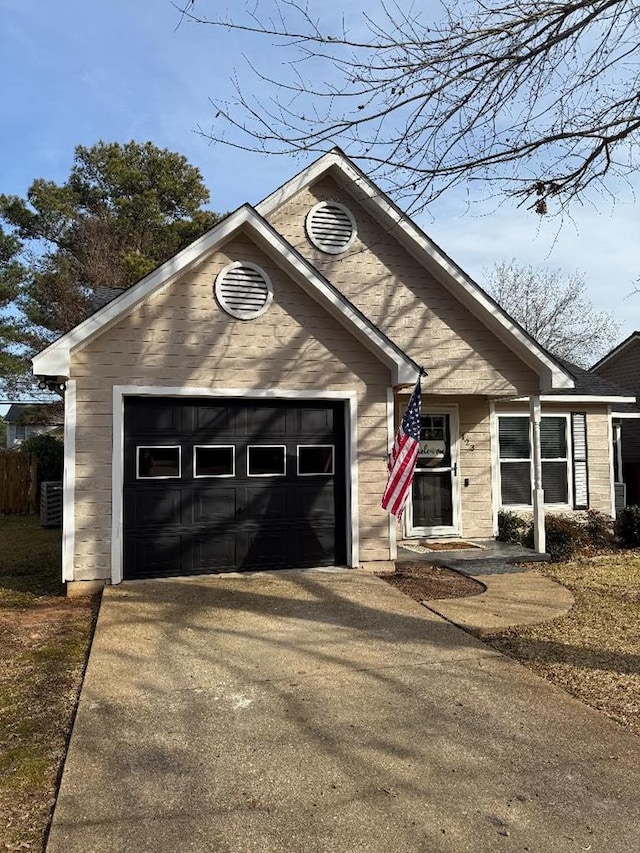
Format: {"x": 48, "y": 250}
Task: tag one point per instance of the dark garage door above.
{"x": 215, "y": 485}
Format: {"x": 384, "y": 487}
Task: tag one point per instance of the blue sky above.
{"x": 77, "y": 72}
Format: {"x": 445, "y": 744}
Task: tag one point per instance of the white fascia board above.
{"x": 615, "y": 414}
{"x": 298, "y": 182}
{"x": 577, "y": 398}
{"x": 552, "y": 375}
{"x": 54, "y": 360}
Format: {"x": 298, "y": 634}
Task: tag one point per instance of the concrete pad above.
{"x": 327, "y": 713}
{"x": 522, "y": 598}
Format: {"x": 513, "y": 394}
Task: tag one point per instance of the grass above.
{"x": 594, "y": 651}
{"x": 44, "y": 641}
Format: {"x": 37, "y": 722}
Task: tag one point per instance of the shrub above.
{"x": 49, "y": 452}
{"x": 598, "y": 529}
{"x": 564, "y": 537}
{"x": 628, "y": 526}
{"x": 511, "y": 526}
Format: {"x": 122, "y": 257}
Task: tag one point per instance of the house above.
{"x": 234, "y": 409}
{"x": 26, "y": 419}
{"x": 622, "y": 366}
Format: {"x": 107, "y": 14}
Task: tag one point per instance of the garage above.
{"x": 215, "y": 485}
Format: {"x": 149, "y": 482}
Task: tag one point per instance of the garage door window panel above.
{"x": 315, "y": 460}
{"x": 158, "y": 462}
{"x": 266, "y": 460}
{"x": 214, "y": 460}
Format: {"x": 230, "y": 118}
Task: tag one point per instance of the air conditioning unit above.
{"x": 51, "y": 504}
{"x": 620, "y": 492}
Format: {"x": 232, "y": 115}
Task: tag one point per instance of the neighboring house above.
{"x": 235, "y": 408}
{"x": 26, "y": 419}
{"x": 622, "y": 366}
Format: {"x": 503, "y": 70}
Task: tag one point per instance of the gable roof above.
{"x": 49, "y": 414}
{"x": 588, "y": 384}
{"x": 337, "y": 165}
{"x": 55, "y": 359}
{"x": 616, "y": 351}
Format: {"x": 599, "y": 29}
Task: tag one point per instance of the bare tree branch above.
{"x": 540, "y": 98}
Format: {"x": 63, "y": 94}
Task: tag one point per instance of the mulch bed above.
{"x": 424, "y": 582}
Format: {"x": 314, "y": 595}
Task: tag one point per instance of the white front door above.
{"x": 433, "y": 508}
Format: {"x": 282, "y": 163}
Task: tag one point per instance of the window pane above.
{"x": 265, "y": 460}
{"x": 514, "y": 438}
{"x": 158, "y": 462}
{"x": 315, "y": 459}
{"x": 553, "y": 438}
{"x": 515, "y": 478}
{"x": 214, "y": 461}
{"x": 554, "y": 482}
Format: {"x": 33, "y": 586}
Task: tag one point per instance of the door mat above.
{"x": 427, "y": 547}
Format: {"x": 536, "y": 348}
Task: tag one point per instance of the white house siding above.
{"x": 181, "y": 337}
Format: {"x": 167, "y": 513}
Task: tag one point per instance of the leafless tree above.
{"x": 537, "y": 99}
{"x": 553, "y": 306}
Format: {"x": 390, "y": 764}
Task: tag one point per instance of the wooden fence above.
{"x": 18, "y": 483}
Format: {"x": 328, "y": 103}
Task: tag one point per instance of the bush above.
{"x": 49, "y": 452}
{"x": 564, "y": 537}
{"x": 598, "y": 529}
{"x": 511, "y": 527}
{"x": 628, "y": 526}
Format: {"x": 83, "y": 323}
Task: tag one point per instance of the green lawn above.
{"x": 44, "y": 641}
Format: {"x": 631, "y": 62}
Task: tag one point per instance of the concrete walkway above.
{"x": 513, "y": 594}
{"x": 327, "y": 713}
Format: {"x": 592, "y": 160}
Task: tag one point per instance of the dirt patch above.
{"x": 425, "y": 582}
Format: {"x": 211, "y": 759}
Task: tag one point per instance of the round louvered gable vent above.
{"x": 331, "y": 227}
{"x": 243, "y": 290}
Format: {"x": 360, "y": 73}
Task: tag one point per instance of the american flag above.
{"x": 403, "y": 457}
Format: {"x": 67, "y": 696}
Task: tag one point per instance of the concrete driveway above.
{"x": 323, "y": 712}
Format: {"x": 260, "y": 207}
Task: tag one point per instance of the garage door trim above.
{"x": 117, "y": 470}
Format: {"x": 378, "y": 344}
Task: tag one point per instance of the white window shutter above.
{"x": 580, "y": 460}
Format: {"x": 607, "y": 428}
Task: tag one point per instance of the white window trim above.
{"x": 177, "y": 447}
{"x": 262, "y": 446}
{"x": 319, "y": 473}
{"x": 348, "y": 396}
{"x": 213, "y": 447}
{"x": 568, "y": 506}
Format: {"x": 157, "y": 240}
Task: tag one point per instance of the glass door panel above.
{"x": 432, "y": 500}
